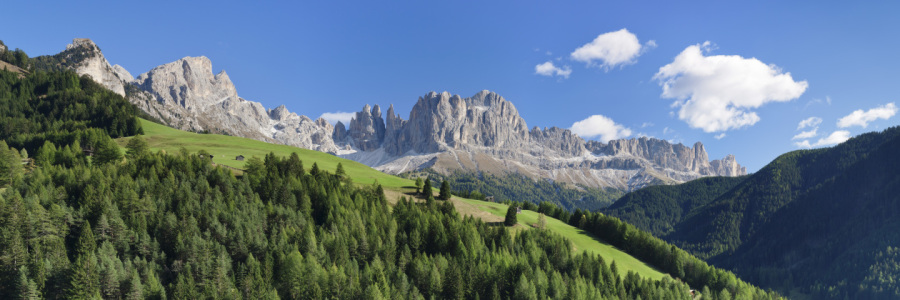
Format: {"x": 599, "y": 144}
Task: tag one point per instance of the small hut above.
{"x": 239, "y": 158}
{"x": 489, "y": 198}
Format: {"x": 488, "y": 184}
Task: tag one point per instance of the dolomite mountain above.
{"x": 444, "y": 132}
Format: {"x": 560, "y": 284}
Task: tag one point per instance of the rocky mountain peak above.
{"x": 188, "y": 82}
{"x": 367, "y": 128}
{"x": 85, "y": 58}
{"x": 87, "y": 44}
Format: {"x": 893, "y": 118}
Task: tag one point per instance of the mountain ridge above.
{"x": 814, "y": 220}
{"x": 445, "y": 132}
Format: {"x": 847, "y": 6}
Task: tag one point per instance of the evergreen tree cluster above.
{"x": 658, "y": 253}
{"x": 63, "y": 109}
{"x": 520, "y": 188}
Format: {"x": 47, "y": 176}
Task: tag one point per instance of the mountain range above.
{"x": 444, "y": 132}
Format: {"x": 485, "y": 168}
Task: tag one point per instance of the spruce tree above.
{"x": 340, "y": 171}
{"x": 511, "y": 216}
{"x": 445, "y": 191}
{"x": 426, "y": 189}
{"x": 84, "y": 281}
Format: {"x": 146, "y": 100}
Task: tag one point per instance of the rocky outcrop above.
{"x": 86, "y": 59}
{"x": 367, "y": 129}
{"x": 188, "y": 83}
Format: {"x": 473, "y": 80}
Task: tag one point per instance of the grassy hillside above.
{"x": 225, "y": 148}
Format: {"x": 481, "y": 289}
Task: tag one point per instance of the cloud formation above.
{"x": 806, "y": 134}
{"x": 862, "y": 118}
{"x": 334, "y": 117}
{"x": 834, "y": 138}
{"x": 611, "y": 49}
{"x": 548, "y": 69}
{"x": 599, "y": 125}
{"x": 810, "y": 122}
{"x": 719, "y": 92}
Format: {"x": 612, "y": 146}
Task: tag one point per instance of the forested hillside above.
{"x": 819, "y": 222}
{"x": 657, "y": 208}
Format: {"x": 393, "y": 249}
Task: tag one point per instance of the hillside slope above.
{"x": 225, "y": 148}
{"x": 816, "y": 221}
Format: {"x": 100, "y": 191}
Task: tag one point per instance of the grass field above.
{"x": 225, "y": 148}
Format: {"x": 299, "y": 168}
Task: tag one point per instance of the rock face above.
{"x": 446, "y": 133}
{"x": 91, "y": 62}
{"x": 484, "y": 133}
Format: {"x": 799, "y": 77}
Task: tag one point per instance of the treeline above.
{"x": 523, "y": 189}
{"x": 16, "y": 57}
{"x": 719, "y": 283}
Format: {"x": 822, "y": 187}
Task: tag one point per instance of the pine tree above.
{"x": 340, "y": 171}
{"x": 84, "y": 281}
{"x": 426, "y": 189}
{"x": 135, "y": 288}
{"x": 445, "y": 191}
{"x": 511, "y": 216}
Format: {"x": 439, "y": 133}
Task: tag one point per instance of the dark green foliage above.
{"x": 445, "y": 191}
{"x": 510, "y": 219}
{"x": 426, "y": 189}
{"x": 136, "y": 147}
{"x": 107, "y": 151}
{"x": 10, "y": 164}
{"x": 339, "y": 172}
{"x": 658, "y": 208}
{"x": 815, "y": 222}
{"x": 519, "y": 188}
{"x": 61, "y": 108}
{"x": 419, "y": 185}
{"x": 16, "y": 57}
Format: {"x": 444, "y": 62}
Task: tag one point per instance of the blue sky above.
{"x": 336, "y": 56}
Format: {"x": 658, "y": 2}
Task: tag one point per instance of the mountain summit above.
{"x": 446, "y": 133}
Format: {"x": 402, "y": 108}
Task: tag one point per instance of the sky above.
{"x": 751, "y": 78}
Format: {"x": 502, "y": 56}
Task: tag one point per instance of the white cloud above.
{"x": 667, "y": 130}
{"x": 548, "y": 69}
{"x": 598, "y": 125}
{"x": 862, "y": 118}
{"x": 809, "y": 122}
{"x": 611, "y": 49}
{"x": 334, "y": 117}
{"x": 720, "y": 136}
{"x": 806, "y": 134}
{"x": 718, "y": 92}
{"x": 835, "y": 138}
{"x": 647, "y": 124}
